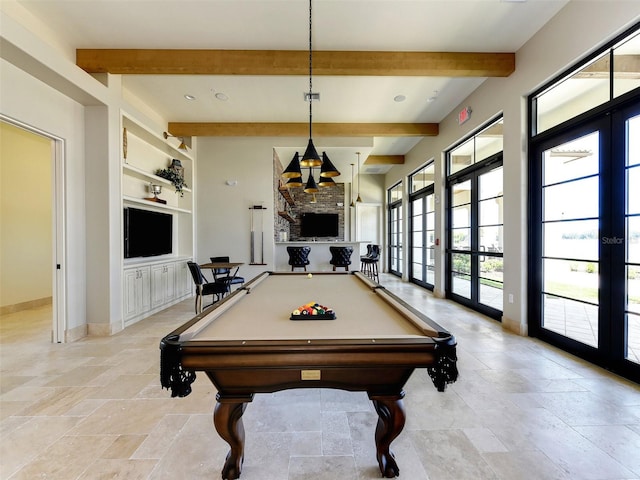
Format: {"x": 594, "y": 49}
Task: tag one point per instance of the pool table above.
{"x": 248, "y": 344}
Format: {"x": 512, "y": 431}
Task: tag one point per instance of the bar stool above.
{"x": 362, "y": 257}
{"x": 369, "y": 264}
{"x": 340, "y": 257}
{"x": 299, "y": 257}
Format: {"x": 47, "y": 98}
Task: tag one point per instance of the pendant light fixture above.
{"x": 358, "y": 199}
{"x": 310, "y": 158}
{"x": 351, "y": 193}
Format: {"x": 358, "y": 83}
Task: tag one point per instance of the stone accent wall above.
{"x": 327, "y": 200}
{"x": 280, "y": 204}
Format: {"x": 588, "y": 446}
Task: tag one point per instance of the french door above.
{"x": 585, "y": 242}
{"x": 475, "y": 237}
{"x": 423, "y": 238}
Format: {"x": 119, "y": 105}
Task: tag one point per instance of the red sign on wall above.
{"x": 464, "y": 115}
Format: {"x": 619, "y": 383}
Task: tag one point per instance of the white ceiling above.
{"x": 386, "y": 25}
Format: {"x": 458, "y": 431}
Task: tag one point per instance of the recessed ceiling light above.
{"x": 399, "y": 98}
{"x": 222, "y": 97}
{"x": 189, "y": 97}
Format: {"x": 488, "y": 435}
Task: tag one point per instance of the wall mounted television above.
{"x": 319, "y": 225}
{"x": 147, "y": 233}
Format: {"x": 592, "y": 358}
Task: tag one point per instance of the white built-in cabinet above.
{"x": 137, "y": 292}
{"x": 163, "y": 281}
{"x": 155, "y": 283}
{"x": 151, "y": 288}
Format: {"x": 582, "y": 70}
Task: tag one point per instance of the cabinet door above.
{"x": 181, "y": 268}
{"x": 170, "y": 282}
{"x": 130, "y": 293}
{"x": 158, "y": 285}
{"x": 144, "y": 292}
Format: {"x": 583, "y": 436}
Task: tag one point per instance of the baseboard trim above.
{"x": 19, "y": 307}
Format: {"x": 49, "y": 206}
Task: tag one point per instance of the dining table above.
{"x": 230, "y": 265}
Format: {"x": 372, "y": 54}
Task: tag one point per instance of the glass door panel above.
{"x": 430, "y": 240}
{"x": 632, "y": 239}
{"x": 570, "y": 239}
{"x": 395, "y": 239}
{"x": 490, "y": 238}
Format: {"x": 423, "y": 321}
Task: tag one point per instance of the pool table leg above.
{"x": 391, "y": 418}
{"x": 227, "y": 418}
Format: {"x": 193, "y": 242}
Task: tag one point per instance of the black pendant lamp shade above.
{"x": 294, "y": 182}
{"x": 311, "y": 157}
{"x": 293, "y": 169}
{"x": 326, "y": 182}
{"x": 311, "y": 186}
{"x": 328, "y": 169}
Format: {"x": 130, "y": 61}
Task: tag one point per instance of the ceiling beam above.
{"x": 209, "y": 129}
{"x": 294, "y": 62}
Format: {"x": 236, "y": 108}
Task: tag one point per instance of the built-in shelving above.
{"x": 284, "y": 191}
{"x": 287, "y": 217}
{"x": 150, "y": 176}
{"x": 150, "y": 286}
{"x": 163, "y": 206}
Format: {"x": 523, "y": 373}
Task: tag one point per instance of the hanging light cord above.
{"x": 310, "y": 74}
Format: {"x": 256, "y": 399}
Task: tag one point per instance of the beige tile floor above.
{"x": 94, "y": 409}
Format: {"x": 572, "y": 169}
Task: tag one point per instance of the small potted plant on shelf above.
{"x": 175, "y": 174}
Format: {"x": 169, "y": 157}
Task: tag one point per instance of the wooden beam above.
{"x": 205, "y": 129}
{"x": 294, "y": 62}
{"x": 384, "y": 160}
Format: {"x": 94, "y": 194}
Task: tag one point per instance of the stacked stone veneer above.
{"x": 327, "y": 200}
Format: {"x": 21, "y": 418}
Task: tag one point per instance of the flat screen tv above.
{"x": 319, "y": 225}
{"x": 147, "y": 233}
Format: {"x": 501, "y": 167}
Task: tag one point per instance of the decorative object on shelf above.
{"x": 155, "y": 190}
{"x": 310, "y": 158}
{"x": 124, "y": 143}
{"x": 177, "y": 166}
{"x": 182, "y": 146}
{"x": 175, "y": 174}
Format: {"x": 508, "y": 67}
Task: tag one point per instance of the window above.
{"x": 589, "y": 85}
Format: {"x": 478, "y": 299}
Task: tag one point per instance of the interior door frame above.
{"x": 58, "y": 281}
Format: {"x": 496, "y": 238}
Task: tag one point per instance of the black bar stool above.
{"x": 369, "y": 263}
{"x": 299, "y": 257}
{"x": 340, "y": 257}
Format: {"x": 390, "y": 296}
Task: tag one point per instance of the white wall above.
{"x": 41, "y": 87}
{"x": 33, "y": 103}
{"x": 222, "y": 211}
{"x": 578, "y": 29}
